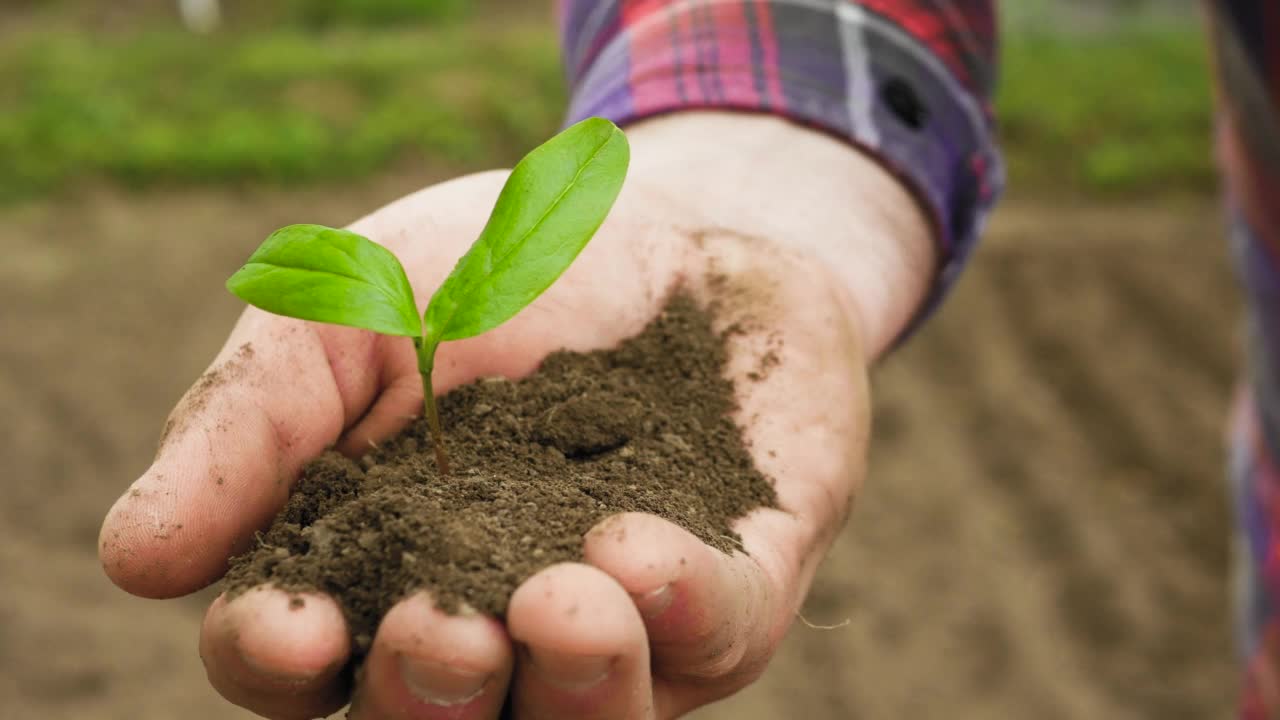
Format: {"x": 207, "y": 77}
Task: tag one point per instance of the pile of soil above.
{"x": 536, "y": 463}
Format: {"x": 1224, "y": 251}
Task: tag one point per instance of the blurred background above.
{"x": 1045, "y": 530}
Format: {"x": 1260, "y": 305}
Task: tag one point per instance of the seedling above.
{"x": 551, "y": 205}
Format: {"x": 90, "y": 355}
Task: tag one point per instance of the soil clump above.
{"x": 537, "y": 462}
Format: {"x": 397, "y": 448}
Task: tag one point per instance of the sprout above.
{"x": 551, "y": 205}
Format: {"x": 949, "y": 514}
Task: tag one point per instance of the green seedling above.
{"x": 552, "y": 204}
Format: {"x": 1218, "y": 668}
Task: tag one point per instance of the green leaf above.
{"x": 551, "y": 205}
{"x": 318, "y": 273}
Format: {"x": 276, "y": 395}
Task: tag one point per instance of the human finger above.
{"x": 427, "y": 665}
{"x": 276, "y": 654}
{"x": 229, "y": 453}
{"x": 583, "y": 654}
{"x": 709, "y": 616}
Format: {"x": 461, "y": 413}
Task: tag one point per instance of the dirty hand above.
{"x": 837, "y": 257}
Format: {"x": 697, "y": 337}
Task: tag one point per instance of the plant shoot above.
{"x": 551, "y": 205}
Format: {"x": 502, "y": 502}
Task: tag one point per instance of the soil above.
{"x": 536, "y": 464}
{"x": 1043, "y": 532}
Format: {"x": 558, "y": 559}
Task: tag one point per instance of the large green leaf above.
{"x": 551, "y": 205}
{"x": 318, "y": 273}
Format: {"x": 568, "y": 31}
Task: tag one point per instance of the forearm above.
{"x": 807, "y": 191}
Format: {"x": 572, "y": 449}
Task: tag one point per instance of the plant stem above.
{"x": 426, "y": 363}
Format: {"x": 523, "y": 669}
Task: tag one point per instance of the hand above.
{"x": 835, "y": 256}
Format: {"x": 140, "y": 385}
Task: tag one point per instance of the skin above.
{"x": 812, "y": 244}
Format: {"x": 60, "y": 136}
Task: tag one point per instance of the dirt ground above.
{"x": 1044, "y": 533}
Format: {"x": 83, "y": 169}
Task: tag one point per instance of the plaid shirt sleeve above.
{"x": 907, "y": 80}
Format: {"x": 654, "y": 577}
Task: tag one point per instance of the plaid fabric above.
{"x": 962, "y": 33}
{"x": 909, "y": 81}
{"x": 1246, "y": 43}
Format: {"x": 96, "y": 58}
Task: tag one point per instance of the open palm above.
{"x": 662, "y": 623}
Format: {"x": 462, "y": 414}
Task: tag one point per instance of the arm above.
{"x": 841, "y": 256}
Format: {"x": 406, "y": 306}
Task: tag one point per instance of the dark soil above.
{"x": 537, "y": 462}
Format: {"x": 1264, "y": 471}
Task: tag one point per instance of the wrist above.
{"x": 804, "y": 190}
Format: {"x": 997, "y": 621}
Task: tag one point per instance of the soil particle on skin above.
{"x": 538, "y": 462}
{"x": 197, "y": 398}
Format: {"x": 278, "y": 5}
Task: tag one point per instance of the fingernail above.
{"x": 654, "y": 602}
{"x": 440, "y": 684}
{"x": 571, "y": 672}
{"x": 276, "y": 678}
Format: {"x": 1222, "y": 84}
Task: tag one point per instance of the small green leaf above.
{"x": 551, "y": 205}
{"x": 318, "y": 273}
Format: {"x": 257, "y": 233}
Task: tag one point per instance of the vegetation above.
{"x": 366, "y": 12}
{"x": 156, "y": 107}
{"x": 1127, "y": 111}
{"x": 325, "y": 90}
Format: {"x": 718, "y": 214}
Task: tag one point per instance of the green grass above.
{"x": 368, "y": 12}
{"x": 1123, "y": 113}
{"x": 289, "y": 106}
{"x": 303, "y": 101}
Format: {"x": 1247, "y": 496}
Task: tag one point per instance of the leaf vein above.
{"x": 354, "y": 278}
{"x": 554, "y": 204}
{"x": 495, "y": 267}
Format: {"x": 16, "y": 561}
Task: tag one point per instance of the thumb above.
{"x": 230, "y": 450}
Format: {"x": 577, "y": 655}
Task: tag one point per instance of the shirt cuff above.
{"x": 836, "y": 66}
